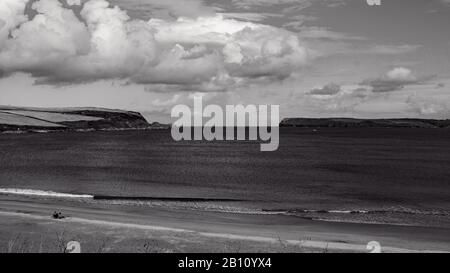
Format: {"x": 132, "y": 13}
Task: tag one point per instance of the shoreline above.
{"x": 389, "y": 216}
{"x": 269, "y": 232}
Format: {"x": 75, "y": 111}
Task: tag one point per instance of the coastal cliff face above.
{"x": 364, "y": 123}
{"x": 63, "y": 119}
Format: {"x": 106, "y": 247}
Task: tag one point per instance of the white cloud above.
{"x": 11, "y": 15}
{"x": 57, "y": 47}
{"x": 327, "y": 90}
{"x": 73, "y": 2}
{"x": 400, "y": 74}
{"x": 102, "y": 42}
{"x": 233, "y": 53}
{"x": 395, "y": 79}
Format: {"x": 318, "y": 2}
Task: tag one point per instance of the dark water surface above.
{"x": 388, "y": 175}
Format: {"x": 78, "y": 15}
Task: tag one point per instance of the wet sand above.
{"x": 129, "y": 227}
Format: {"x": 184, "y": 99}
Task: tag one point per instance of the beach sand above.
{"x": 26, "y": 225}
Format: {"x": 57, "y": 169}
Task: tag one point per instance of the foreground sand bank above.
{"x": 26, "y": 225}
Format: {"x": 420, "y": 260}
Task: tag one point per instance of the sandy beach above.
{"x": 26, "y": 225}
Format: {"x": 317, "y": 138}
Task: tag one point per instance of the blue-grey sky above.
{"x": 314, "y": 58}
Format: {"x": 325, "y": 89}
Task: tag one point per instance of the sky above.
{"x": 314, "y": 58}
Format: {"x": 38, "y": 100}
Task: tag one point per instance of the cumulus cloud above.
{"x": 11, "y": 15}
{"x": 327, "y": 90}
{"x": 267, "y": 52}
{"x": 56, "y": 46}
{"x": 394, "y": 80}
{"x": 61, "y": 45}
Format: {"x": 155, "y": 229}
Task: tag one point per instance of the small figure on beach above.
{"x": 58, "y": 215}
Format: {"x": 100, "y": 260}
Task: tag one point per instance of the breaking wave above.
{"x": 29, "y": 192}
{"x": 397, "y": 210}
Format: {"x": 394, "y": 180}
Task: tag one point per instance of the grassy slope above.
{"x": 23, "y": 119}
{"x": 20, "y": 120}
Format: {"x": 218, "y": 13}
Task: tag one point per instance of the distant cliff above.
{"x": 364, "y": 123}
{"x": 51, "y": 119}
